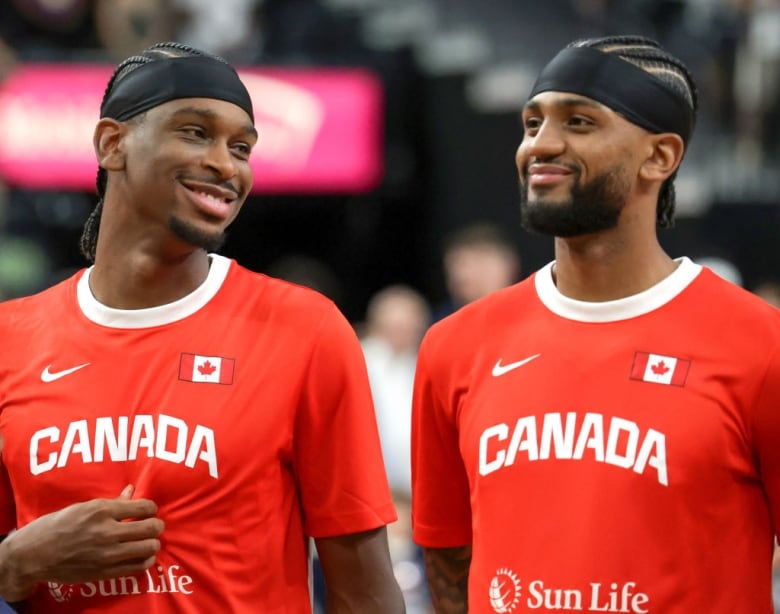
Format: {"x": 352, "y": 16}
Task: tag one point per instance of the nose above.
{"x": 219, "y": 159}
{"x": 545, "y": 142}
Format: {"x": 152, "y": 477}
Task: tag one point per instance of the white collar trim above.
{"x": 620, "y": 309}
{"x": 153, "y": 316}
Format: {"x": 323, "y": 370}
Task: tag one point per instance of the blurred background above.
{"x": 385, "y": 172}
{"x": 451, "y": 77}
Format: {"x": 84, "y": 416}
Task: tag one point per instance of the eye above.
{"x": 242, "y": 150}
{"x": 195, "y": 131}
{"x": 580, "y": 121}
{"x": 531, "y": 124}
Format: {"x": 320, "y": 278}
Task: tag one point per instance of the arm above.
{"x": 342, "y": 482}
{"x": 93, "y": 540}
{"x": 766, "y": 434}
{"x": 441, "y": 504}
{"x": 359, "y": 574}
{"x": 447, "y": 571}
{"x": 15, "y": 606}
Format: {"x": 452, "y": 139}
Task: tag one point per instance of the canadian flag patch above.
{"x": 660, "y": 369}
{"x": 206, "y": 369}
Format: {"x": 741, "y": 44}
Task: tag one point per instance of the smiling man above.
{"x": 175, "y": 427}
{"x": 603, "y": 436}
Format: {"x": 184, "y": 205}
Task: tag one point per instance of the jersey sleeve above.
{"x": 338, "y": 459}
{"x": 441, "y": 509}
{"x": 7, "y": 501}
{"x": 766, "y": 433}
{"x": 7, "y": 505}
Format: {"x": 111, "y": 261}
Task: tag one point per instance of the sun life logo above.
{"x": 504, "y": 591}
{"x": 60, "y": 592}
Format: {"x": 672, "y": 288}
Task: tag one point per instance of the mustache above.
{"x": 523, "y": 178}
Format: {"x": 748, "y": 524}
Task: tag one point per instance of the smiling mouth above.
{"x": 543, "y": 180}
{"x": 215, "y": 206}
{"x": 223, "y": 191}
{"x": 216, "y": 200}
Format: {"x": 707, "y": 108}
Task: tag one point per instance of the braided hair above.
{"x": 648, "y": 55}
{"x": 159, "y": 51}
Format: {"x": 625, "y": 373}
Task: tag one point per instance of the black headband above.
{"x": 160, "y": 81}
{"x": 626, "y": 89}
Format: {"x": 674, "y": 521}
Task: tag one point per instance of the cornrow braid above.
{"x": 158, "y": 51}
{"x": 648, "y": 55}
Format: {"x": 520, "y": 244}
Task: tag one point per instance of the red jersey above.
{"x": 243, "y": 410}
{"x": 604, "y": 457}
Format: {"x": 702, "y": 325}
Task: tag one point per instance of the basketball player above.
{"x": 175, "y": 426}
{"x": 603, "y": 436}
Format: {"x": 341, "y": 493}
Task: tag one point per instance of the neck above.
{"x": 139, "y": 281}
{"x": 601, "y": 268}
{"x": 140, "y": 263}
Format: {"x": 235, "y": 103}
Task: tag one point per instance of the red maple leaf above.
{"x": 660, "y": 368}
{"x": 207, "y": 368}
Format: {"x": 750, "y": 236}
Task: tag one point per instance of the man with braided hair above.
{"x": 603, "y": 436}
{"x": 175, "y": 427}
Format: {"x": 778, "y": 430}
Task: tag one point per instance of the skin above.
{"x": 569, "y": 143}
{"x": 359, "y": 574}
{"x": 563, "y": 131}
{"x": 94, "y": 540}
{"x": 155, "y": 166}
{"x": 153, "y": 249}
{"x": 447, "y": 572}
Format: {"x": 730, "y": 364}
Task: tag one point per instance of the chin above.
{"x": 209, "y": 240}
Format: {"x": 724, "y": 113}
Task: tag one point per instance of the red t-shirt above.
{"x": 604, "y": 457}
{"x": 243, "y": 410}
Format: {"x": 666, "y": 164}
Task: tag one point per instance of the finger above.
{"x": 129, "y": 567}
{"x": 123, "y": 509}
{"x": 105, "y": 570}
{"x": 135, "y": 530}
{"x": 128, "y": 553}
{"x": 127, "y": 492}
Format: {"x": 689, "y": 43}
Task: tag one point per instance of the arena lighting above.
{"x": 320, "y": 129}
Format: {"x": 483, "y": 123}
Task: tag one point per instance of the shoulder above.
{"x": 276, "y": 297}
{"x": 284, "y": 313}
{"x": 22, "y": 313}
{"x": 29, "y": 323}
{"x": 500, "y": 303}
{"x": 466, "y": 329}
{"x": 730, "y": 325}
{"x": 732, "y": 308}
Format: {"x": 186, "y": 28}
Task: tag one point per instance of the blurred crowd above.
{"x": 241, "y": 31}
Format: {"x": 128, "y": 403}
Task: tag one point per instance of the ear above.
{"x": 109, "y": 145}
{"x": 665, "y": 156}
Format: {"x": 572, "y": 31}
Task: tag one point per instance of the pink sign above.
{"x": 320, "y": 130}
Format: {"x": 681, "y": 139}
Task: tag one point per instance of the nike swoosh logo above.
{"x": 51, "y": 376}
{"x": 500, "y": 369}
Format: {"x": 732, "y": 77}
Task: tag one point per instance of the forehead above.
{"x": 563, "y": 100}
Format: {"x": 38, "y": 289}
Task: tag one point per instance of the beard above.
{"x": 191, "y": 234}
{"x": 592, "y": 206}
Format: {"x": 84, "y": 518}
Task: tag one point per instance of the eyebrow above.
{"x": 577, "y": 101}
{"x": 212, "y": 115}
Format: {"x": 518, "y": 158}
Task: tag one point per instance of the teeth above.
{"x": 214, "y": 198}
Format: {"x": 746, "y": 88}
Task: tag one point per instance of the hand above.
{"x": 88, "y": 541}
